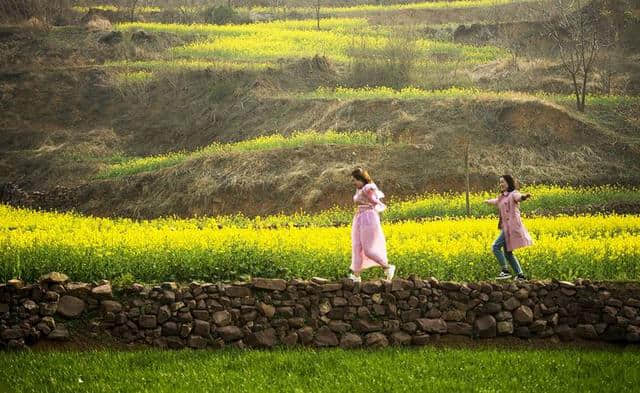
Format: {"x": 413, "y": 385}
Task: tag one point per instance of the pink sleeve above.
{"x": 516, "y": 196}
{"x": 493, "y": 201}
{"x": 372, "y": 196}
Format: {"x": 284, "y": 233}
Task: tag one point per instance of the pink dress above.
{"x": 368, "y": 247}
{"x": 515, "y": 234}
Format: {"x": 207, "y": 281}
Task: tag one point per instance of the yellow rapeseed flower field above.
{"x": 87, "y": 248}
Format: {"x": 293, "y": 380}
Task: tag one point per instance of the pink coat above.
{"x": 368, "y": 245}
{"x": 516, "y": 235}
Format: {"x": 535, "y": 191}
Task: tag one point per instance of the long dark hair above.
{"x": 362, "y": 175}
{"x": 511, "y": 182}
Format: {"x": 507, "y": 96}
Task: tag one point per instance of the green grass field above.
{"x": 256, "y": 45}
{"x": 268, "y": 142}
{"x": 389, "y": 370}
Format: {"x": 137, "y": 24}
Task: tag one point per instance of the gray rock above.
{"x": 492, "y": 308}
{"x": 523, "y": 315}
{"x": 485, "y": 326}
{"x": 197, "y": 342}
{"x": 511, "y": 304}
{"x": 325, "y": 337}
{"x": 633, "y": 334}
{"x": 262, "y": 339}
{"x": 221, "y": 318}
{"x": 522, "y": 294}
{"x": 410, "y": 315}
{"x": 147, "y": 321}
{"x": 174, "y": 342}
{"x": 11, "y": 334}
{"x": 504, "y": 316}
{"x": 170, "y": 329}
{"x": 366, "y": 326}
{"x": 48, "y": 309}
{"x": 201, "y": 328}
{"x": 31, "y": 306}
{"x": 376, "y": 340}
{"x": 400, "y": 338}
{"x": 332, "y": 287}
{"x": 371, "y": 287}
{"x": 432, "y": 325}
{"x": 450, "y": 286}
{"x": 70, "y": 306}
{"x": 185, "y": 329}
{"x": 163, "y": 314}
{"x": 421, "y": 339}
{"x": 230, "y": 333}
{"x": 237, "y": 291}
{"x": 290, "y": 339}
{"x": 538, "y": 325}
{"x": 54, "y": 277}
{"x": 111, "y": 306}
{"x": 339, "y": 301}
{"x": 339, "y": 326}
{"x": 270, "y": 284}
{"x": 296, "y": 323}
{"x": 102, "y": 292}
{"x": 505, "y": 328}
{"x": 459, "y": 328}
{"x": 305, "y": 334}
{"x": 350, "y": 340}
{"x": 59, "y": 333}
{"x": 454, "y": 315}
{"x": 267, "y": 310}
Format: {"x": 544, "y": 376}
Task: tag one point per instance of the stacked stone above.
{"x": 29, "y": 312}
{"x": 269, "y": 312}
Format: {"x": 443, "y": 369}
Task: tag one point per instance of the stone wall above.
{"x": 269, "y": 312}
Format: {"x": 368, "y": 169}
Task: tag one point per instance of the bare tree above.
{"x": 129, "y": 7}
{"x": 610, "y": 32}
{"x": 574, "y": 31}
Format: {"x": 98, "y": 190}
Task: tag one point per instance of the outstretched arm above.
{"x": 493, "y": 201}
{"x": 518, "y": 197}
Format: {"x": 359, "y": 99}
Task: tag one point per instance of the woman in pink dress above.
{"x": 368, "y": 246}
{"x": 513, "y": 234}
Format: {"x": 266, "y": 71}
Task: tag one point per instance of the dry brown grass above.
{"x": 98, "y": 24}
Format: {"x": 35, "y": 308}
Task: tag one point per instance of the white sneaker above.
{"x": 503, "y": 276}
{"x": 391, "y": 271}
{"x": 354, "y": 278}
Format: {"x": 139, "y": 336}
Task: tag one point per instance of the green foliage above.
{"x": 267, "y": 142}
{"x": 409, "y": 370}
{"x": 220, "y": 15}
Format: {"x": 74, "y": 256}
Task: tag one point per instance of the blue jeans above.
{"x": 497, "y": 247}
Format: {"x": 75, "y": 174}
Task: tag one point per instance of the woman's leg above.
{"x": 497, "y": 247}
{"x": 372, "y": 239}
{"x": 356, "y": 248}
{"x": 513, "y": 261}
